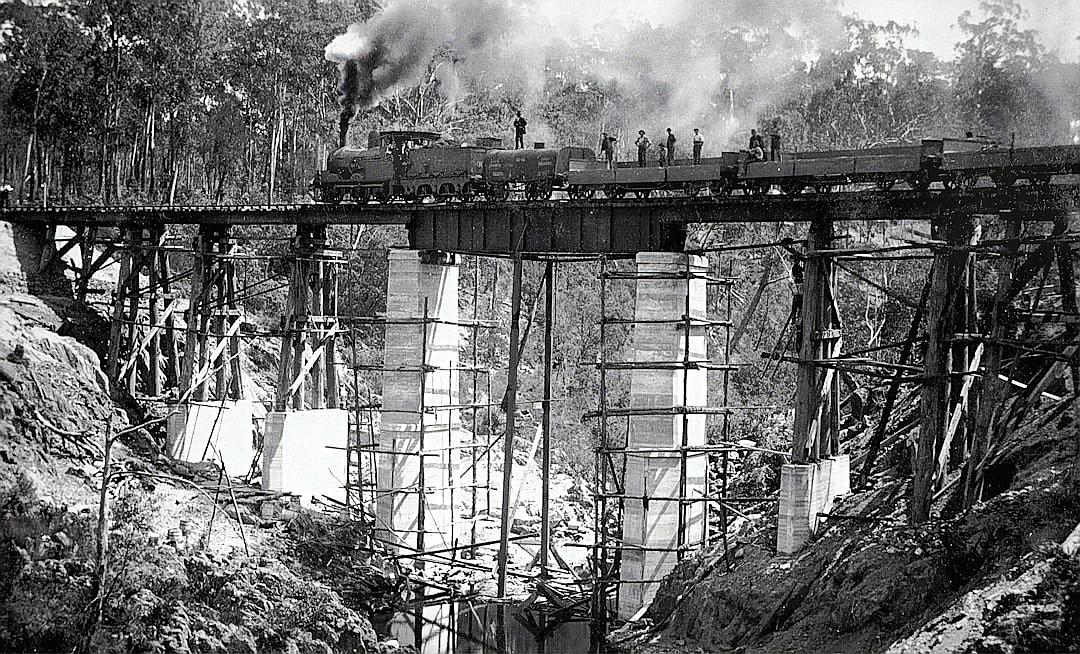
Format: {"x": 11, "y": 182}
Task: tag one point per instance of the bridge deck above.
{"x": 592, "y": 226}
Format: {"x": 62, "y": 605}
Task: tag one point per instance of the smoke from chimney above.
{"x": 685, "y": 68}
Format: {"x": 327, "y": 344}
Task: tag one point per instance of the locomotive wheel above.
{"x": 447, "y": 193}
{"x": 920, "y": 181}
{"x": 467, "y": 194}
{"x": 643, "y": 194}
{"x": 719, "y": 188}
{"x": 791, "y": 186}
{"x": 1004, "y": 179}
{"x": 614, "y": 192}
{"x": 885, "y": 183}
{"x": 967, "y": 181}
{"x": 1041, "y": 180}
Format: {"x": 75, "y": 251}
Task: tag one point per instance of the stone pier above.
{"x": 651, "y": 525}
{"x": 416, "y": 439}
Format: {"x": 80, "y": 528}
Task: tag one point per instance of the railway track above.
{"x": 730, "y": 208}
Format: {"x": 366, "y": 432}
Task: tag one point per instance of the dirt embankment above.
{"x": 177, "y": 579}
{"x": 989, "y": 580}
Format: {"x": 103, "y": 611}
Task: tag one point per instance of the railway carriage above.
{"x": 1006, "y": 166}
{"x": 718, "y": 174}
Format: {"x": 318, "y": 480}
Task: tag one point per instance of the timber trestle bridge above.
{"x": 413, "y": 457}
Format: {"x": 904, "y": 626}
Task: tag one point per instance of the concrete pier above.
{"x": 416, "y": 441}
{"x": 664, "y": 297}
{"x": 215, "y": 430}
{"x": 806, "y": 491}
{"x": 303, "y": 453}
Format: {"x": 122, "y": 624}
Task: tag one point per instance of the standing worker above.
{"x": 756, "y": 141}
{"x": 774, "y": 147}
{"x": 607, "y": 149}
{"x": 661, "y": 158}
{"x": 642, "y": 144}
{"x": 5, "y": 195}
{"x": 699, "y": 141}
{"x": 670, "y": 148}
{"x": 519, "y": 131}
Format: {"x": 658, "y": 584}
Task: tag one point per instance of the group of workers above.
{"x": 665, "y": 149}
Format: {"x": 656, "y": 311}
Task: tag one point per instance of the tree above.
{"x": 874, "y": 92}
{"x": 1002, "y": 77}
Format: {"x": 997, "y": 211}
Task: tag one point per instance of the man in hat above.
{"x": 670, "y": 148}
{"x": 607, "y": 149}
{"x": 756, "y": 141}
{"x": 642, "y": 144}
{"x": 699, "y": 142}
{"x": 519, "y": 131}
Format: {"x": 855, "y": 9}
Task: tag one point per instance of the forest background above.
{"x": 222, "y": 101}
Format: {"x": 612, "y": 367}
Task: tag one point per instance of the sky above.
{"x": 1057, "y": 21}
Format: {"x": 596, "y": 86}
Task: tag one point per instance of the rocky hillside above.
{"x": 993, "y": 579}
{"x": 187, "y": 567}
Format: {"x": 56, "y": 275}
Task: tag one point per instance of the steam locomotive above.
{"x": 413, "y": 166}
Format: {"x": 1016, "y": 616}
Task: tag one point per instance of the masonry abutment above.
{"x": 420, "y": 431}
{"x": 669, "y": 329}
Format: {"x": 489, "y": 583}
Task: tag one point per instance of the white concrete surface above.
{"x": 213, "y": 431}
{"x": 304, "y": 453}
{"x": 406, "y": 430}
{"x": 656, "y": 526}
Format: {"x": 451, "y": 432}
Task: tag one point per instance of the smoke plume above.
{"x": 683, "y": 66}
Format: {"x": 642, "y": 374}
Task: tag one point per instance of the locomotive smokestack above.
{"x": 343, "y": 126}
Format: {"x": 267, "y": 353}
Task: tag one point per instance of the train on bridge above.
{"x": 414, "y": 167}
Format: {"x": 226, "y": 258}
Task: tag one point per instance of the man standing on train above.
{"x": 699, "y": 141}
{"x": 607, "y": 149}
{"x": 519, "y": 131}
{"x": 774, "y": 147}
{"x": 642, "y": 144}
{"x": 670, "y": 148}
{"x": 756, "y": 141}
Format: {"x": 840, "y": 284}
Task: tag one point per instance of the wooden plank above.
{"x": 948, "y": 282}
{"x": 810, "y": 381}
{"x": 959, "y": 410}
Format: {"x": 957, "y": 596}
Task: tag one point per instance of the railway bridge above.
{"x": 665, "y": 482}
